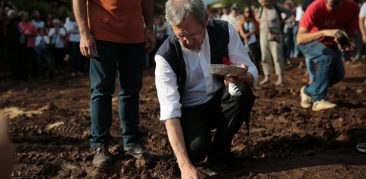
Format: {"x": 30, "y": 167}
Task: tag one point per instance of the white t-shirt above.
{"x": 39, "y": 39}
{"x": 299, "y": 13}
{"x": 72, "y": 26}
{"x": 363, "y": 12}
{"x": 38, "y": 23}
{"x": 57, "y": 37}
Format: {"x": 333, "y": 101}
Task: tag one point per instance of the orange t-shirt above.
{"x": 118, "y": 21}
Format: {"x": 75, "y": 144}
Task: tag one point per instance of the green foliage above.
{"x": 42, "y": 6}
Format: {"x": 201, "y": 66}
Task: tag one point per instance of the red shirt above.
{"x": 319, "y": 17}
{"x": 30, "y": 31}
{"x": 118, "y": 21}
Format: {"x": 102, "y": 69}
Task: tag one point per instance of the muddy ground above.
{"x": 50, "y": 125}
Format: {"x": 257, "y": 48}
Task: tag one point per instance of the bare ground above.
{"x": 50, "y": 125}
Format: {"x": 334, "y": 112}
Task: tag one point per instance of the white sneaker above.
{"x": 305, "y": 99}
{"x": 322, "y": 105}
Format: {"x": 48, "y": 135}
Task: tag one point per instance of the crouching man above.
{"x": 192, "y": 101}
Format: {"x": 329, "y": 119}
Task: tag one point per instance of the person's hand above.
{"x": 330, "y": 33}
{"x": 150, "y": 40}
{"x": 88, "y": 45}
{"x": 364, "y": 39}
{"x": 188, "y": 172}
{"x": 343, "y": 42}
{"x": 236, "y": 79}
{"x": 7, "y": 154}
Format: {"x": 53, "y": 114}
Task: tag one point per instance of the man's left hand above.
{"x": 150, "y": 40}
{"x": 236, "y": 79}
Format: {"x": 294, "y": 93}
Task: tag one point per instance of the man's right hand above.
{"x": 188, "y": 172}
{"x": 88, "y": 46}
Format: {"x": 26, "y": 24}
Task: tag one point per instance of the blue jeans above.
{"x": 330, "y": 68}
{"x": 310, "y": 67}
{"x": 127, "y": 60}
{"x": 295, "y": 51}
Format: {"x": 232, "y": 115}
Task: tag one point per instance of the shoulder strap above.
{"x": 260, "y": 12}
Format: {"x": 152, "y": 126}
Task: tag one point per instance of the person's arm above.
{"x": 148, "y": 14}
{"x": 175, "y": 135}
{"x": 304, "y": 36}
{"x": 87, "y": 41}
{"x": 238, "y": 56}
{"x": 361, "y": 24}
{"x": 240, "y": 30}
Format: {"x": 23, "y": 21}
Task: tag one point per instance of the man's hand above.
{"x": 343, "y": 42}
{"x": 364, "y": 39}
{"x": 188, "y": 171}
{"x": 150, "y": 40}
{"x": 236, "y": 79}
{"x": 88, "y": 45}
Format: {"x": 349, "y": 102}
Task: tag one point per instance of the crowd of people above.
{"x": 39, "y": 46}
{"x": 183, "y": 45}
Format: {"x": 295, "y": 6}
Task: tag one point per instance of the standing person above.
{"x": 362, "y": 23}
{"x": 271, "y": 40}
{"x": 248, "y": 28}
{"x": 28, "y": 33}
{"x": 192, "y": 101}
{"x": 225, "y": 14}
{"x": 57, "y": 35}
{"x": 234, "y": 16}
{"x": 76, "y": 57}
{"x": 44, "y": 55}
{"x": 17, "y": 64}
{"x": 115, "y": 41}
{"x": 37, "y": 21}
{"x": 320, "y": 34}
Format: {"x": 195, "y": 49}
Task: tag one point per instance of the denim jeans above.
{"x": 310, "y": 67}
{"x": 295, "y": 51}
{"x": 127, "y": 60}
{"x": 330, "y": 68}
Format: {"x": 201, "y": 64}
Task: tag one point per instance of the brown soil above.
{"x": 50, "y": 124}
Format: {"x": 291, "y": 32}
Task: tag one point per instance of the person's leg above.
{"x": 276, "y": 51}
{"x": 336, "y": 73}
{"x": 310, "y": 68}
{"x": 323, "y": 56}
{"x": 294, "y": 34}
{"x": 102, "y": 77}
{"x": 196, "y": 129}
{"x": 235, "y": 110}
{"x": 130, "y": 63}
{"x": 266, "y": 57}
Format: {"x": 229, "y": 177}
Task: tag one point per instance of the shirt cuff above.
{"x": 170, "y": 111}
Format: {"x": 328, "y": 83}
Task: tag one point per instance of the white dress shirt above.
{"x": 200, "y": 85}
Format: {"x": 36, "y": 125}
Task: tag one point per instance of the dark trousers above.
{"x": 224, "y": 113}
{"x": 127, "y": 60}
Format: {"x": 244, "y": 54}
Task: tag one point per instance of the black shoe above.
{"x": 101, "y": 157}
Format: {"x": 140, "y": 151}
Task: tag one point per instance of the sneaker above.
{"x": 322, "y": 105}
{"x": 136, "y": 152}
{"x": 362, "y": 147}
{"x": 305, "y": 99}
{"x": 101, "y": 157}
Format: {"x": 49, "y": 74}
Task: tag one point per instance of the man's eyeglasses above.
{"x": 191, "y": 36}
